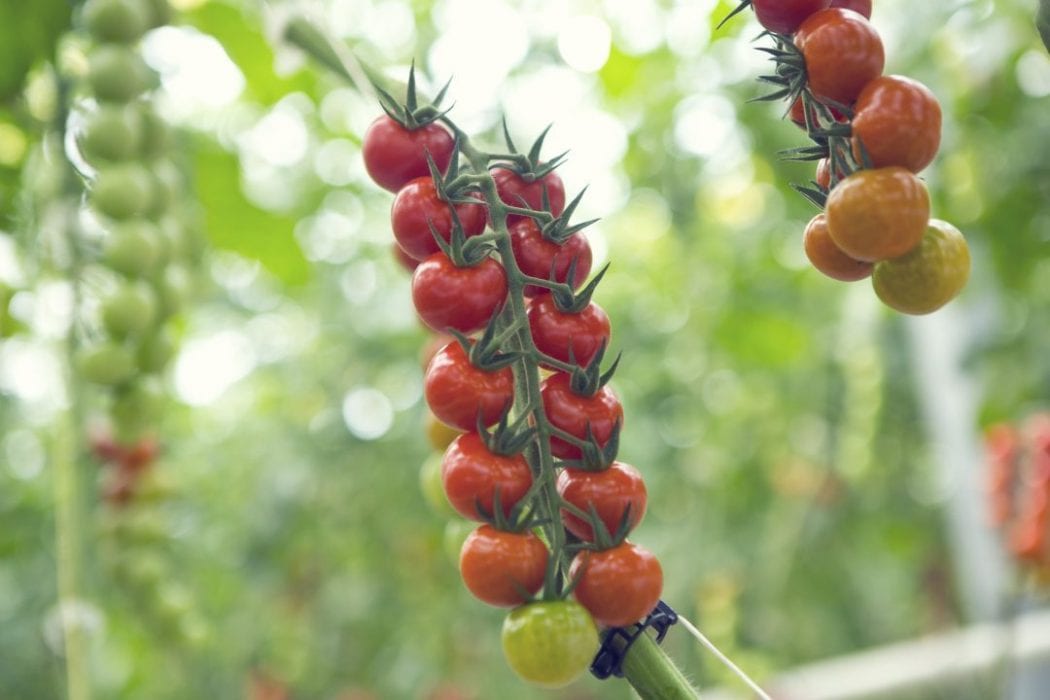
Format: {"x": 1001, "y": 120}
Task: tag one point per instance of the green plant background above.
{"x": 775, "y": 414}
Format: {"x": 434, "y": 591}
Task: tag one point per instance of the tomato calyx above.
{"x": 603, "y": 538}
{"x": 411, "y": 114}
{"x": 569, "y": 301}
{"x": 595, "y": 456}
{"x": 507, "y": 439}
{"x": 485, "y": 353}
{"x": 528, "y": 165}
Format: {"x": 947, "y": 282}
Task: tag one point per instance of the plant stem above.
{"x": 652, "y": 674}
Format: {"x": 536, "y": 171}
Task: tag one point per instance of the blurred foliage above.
{"x": 774, "y": 413}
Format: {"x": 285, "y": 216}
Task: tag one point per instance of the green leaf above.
{"x": 239, "y": 34}
{"x": 235, "y": 224}
{"x": 28, "y": 33}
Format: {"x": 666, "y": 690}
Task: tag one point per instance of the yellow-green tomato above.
{"x": 928, "y": 277}
{"x": 133, "y": 247}
{"x": 106, "y": 363}
{"x": 123, "y": 191}
{"x": 118, "y": 74}
{"x": 115, "y": 20}
{"x": 456, "y": 532}
{"x": 130, "y": 310}
{"x": 549, "y": 643}
{"x": 111, "y": 133}
{"x": 155, "y": 350}
{"x": 430, "y": 485}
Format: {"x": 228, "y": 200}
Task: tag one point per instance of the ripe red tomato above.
{"x": 549, "y": 643}
{"x": 472, "y": 475}
{"x": 464, "y": 298}
{"x": 843, "y": 53}
{"x": 418, "y": 203}
{"x": 568, "y": 411}
{"x": 899, "y": 122}
{"x": 458, "y": 392}
{"x": 618, "y": 586}
{"x": 403, "y": 259}
{"x": 828, "y": 257}
{"x": 140, "y": 455}
{"x": 556, "y": 333}
{"x": 537, "y": 257}
{"x": 823, "y": 174}
{"x": 498, "y": 567}
{"x": 514, "y": 190}
{"x": 861, "y": 6}
{"x": 784, "y": 16}
{"x": 610, "y": 491}
{"x": 394, "y": 155}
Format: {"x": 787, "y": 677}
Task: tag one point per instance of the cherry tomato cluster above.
{"x": 1018, "y": 479}
{"x": 873, "y": 134}
{"x": 136, "y": 267}
{"x": 499, "y": 272}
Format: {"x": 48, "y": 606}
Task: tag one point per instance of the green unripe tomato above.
{"x": 118, "y": 74}
{"x": 456, "y": 532}
{"x": 130, "y": 310}
{"x": 115, "y": 20}
{"x": 167, "y": 187}
{"x": 156, "y": 133}
{"x": 111, "y": 133}
{"x": 155, "y": 351}
{"x": 927, "y": 278}
{"x": 432, "y": 488}
{"x": 137, "y": 407}
{"x": 107, "y": 363}
{"x": 123, "y": 191}
{"x": 143, "y": 569}
{"x": 133, "y": 247}
{"x": 549, "y": 643}
{"x": 172, "y": 289}
{"x": 159, "y": 12}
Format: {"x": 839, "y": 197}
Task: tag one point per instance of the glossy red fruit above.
{"x": 463, "y": 298}
{"x": 843, "y": 53}
{"x": 572, "y": 413}
{"x": 515, "y": 190}
{"x": 860, "y": 6}
{"x": 472, "y": 475}
{"x": 394, "y": 155}
{"x": 569, "y": 337}
{"x": 898, "y": 121}
{"x": 502, "y": 568}
{"x": 618, "y": 586}
{"x": 784, "y": 16}
{"x": 418, "y": 203}
{"x": 403, "y": 259}
{"x": 610, "y": 492}
{"x": 538, "y": 257}
{"x": 458, "y": 392}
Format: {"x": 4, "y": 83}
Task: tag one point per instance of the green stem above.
{"x": 652, "y": 674}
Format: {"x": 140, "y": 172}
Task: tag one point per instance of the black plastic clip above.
{"x": 609, "y": 659}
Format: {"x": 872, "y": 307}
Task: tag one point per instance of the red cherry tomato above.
{"x": 403, "y": 259}
{"x": 458, "y": 392}
{"x": 140, "y": 455}
{"x": 463, "y": 298}
{"x": 556, "y": 333}
{"x": 394, "y": 155}
{"x": 500, "y": 568}
{"x": 572, "y": 413}
{"x": 823, "y": 174}
{"x": 609, "y": 491}
{"x": 861, "y": 6}
{"x": 899, "y": 122}
{"x": 784, "y": 16}
{"x": 828, "y": 258}
{"x": 514, "y": 190}
{"x": 418, "y": 203}
{"x": 843, "y": 53}
{"x": 472, "y": 475}
{"x": 618, "y": 586}
{"x": 798, "y": 114}
{"x": 537, "y": 257}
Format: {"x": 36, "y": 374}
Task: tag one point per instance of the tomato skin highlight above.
{"x": 862, "y": 7}
{"x": 876, "y": 215}
{"x": 418, "y": 203}
{"x": 556, "y": 332}
{"x": 549, "y": 643}
{"x": 472, "y": 475}
{"x": 785, "y": 16}
{"x": 457, "y": 391}
{"x": 394, "y": 155}
{"x": 617, "y": 586}
{"x": 898, "y": 121}
{"x": 495, "y": 564}
{"x": 463, "y": 298}
{"x": 827, "y": 257}
{"x": 843, "y": 53}
{"x": 610, "y": 491}
{"x": 929, "y": 276}
{"x": 515, "y": 191}
{"x": 536, "y": 256}
{"x": 568, "y": 411}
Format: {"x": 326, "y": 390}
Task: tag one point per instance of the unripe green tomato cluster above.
{"x": 134, "y": 192}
